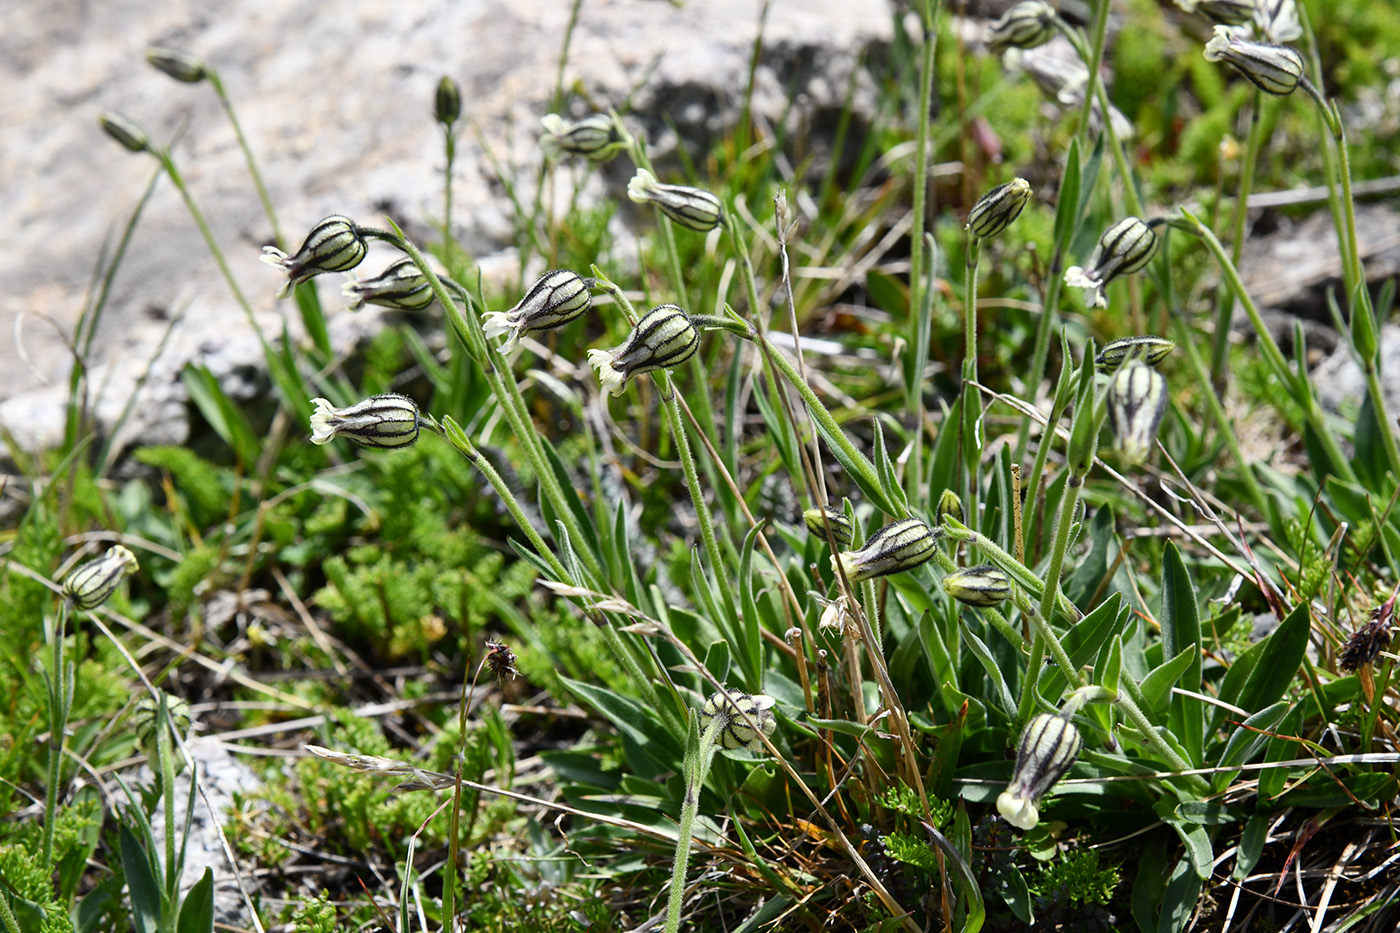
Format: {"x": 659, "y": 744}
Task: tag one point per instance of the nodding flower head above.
{"x": 1137, "y": 400}
{"x": 1274, "y": 69}
{"x": 383, "y": 421}
{"x": 594, "y": 137}
{"x": 333, "y": 245}
{"x": 690, "y": 207}
{"x": 181, "y": 66}
{"x": 1231, "y": 12}
{"x": 739, "y": 717}
{"x": 841, "y": 531}
{"x": 981, "y": 586}
{"x": 131, "y": 135}
{"x": 1124, "y": 247}
{"x": 555, "y": 299}
{"x": 1150, "y": 350}
{"x": 899, "y": 546}
{"x": 996, "y": 209}
{"x": 401, "y": 287}
{"x": 1024, "y": 26}
{"x": 663, "y": 338}
{"x": 88, "y": 586}
{"x": 1045, "y": 754}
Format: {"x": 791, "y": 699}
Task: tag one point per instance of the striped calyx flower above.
{"x": 899, "y": 546}
{"x": 594, "y": 137}
{"x": 663, "y": 338}
{"x": 447, "y": 101}
{"x": 1047, "y": 750}
{"x": 841, "y": 531}
{"x": 333, "y": 245}
{"x": 1151, "y": 350}
{"x": 694, "y": 208}
{"x": 131, "y": 135}
{"x": 1274, "y": 69}
{"x": 1230, "y": 12}
{"x": 950, "y": 506}
{"x": 401, "y": 287}
{"x": 982, "y": 586}
{"x": 383, "y": 421}
{"x": 89, "y": 586}
{"x": 728, "y": 710}
{"x": 1137, "y": 400}
{"x": 1124, "y": 247}
{"x": 996, "y": 209}
{"x": 556, "y": 298}
{"x": 181, "y": 66}
{"x": 1024, "y": 26}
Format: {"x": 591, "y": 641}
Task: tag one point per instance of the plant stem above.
{"x": 971, "y": 397}
{"x": 919, "y": 315}
{"x": 696, "y": 769}
{"x": 60, "y": 696}
{"x": 1225, "y": 305}
{"x": 217, "y": 83}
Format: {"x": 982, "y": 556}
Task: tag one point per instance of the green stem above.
{"x": 165, "y": 760}
{"x": 1073, "y": 487}
{"x": 695, "y": 771}
{"x": 1094, "y": 63}
{"x": 971, "y": 397}
{"x": 919, "y": 314}
{"x": 1158, "y": 744}
{"x": 60, "y": 696}
{"x": 218, "y": 85}
{"x": 7, "y": 915}
{"x": 1225, "y": 305}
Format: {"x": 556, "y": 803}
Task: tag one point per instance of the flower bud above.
{"x": 333, "y": 245}
{"x": 1151, "y": 350}
{"x": 594, "y": 137}
{"x": 996, "y": 209}
{"x": 690, "y": 207}
{"x": 841, "y": 531}
{"x": 401, "y": 287}
{"x": 950, "y": 506}
{"x": 447, "y": 101}
{"x": 1230, "y": 12}
{"x": 181, "y": 66}
{"x": 895, "y": 548}
{"x": 663, "y": 338}
{"x": 729, "y": 709}
{"x": 1137, "y": 400}
{"x": 383, "y": 421}
{"x": 91, "y": 583}
{"x": 148, "y": 723}
{"x": 982, "y": 586}
{"x": 1024, "y": 26}
{"x": 1124, "y": 247}
{"x": 1045, "y": 754}
{"x": 127, "y": 132}
{"x": 555, "y": 299}
{"x": 1274, "y": 69}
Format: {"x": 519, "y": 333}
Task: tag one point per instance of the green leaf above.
{"x": 1181, "y": 631}
{"x": 1251, "y": 845}
{"x": 1157, "y": 685}
{"x": 989, "y": 664}
{"x": 1067, "y": 211}
{"x": 633, "y": 720}
{"x": 197, "y": 910}
{"x": 1180, "y": 896}
{"x": 1323, "y": 791}
{"x": 1085, "y": 639}
{"x": 884, "y": 468}
{"x": 1245, "y": 743}
{"x": 226, "y": 418}
{"x": 145, "y": 893}
{"x": 860, "y": 470}
{"x": 750, "y": 645}
{"x": 1286, "y": 646}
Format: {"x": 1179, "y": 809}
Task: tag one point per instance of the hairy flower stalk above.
{"x": 895, "y": 548}
{"x": 557, "y": 298}
{"x": 730, "y": 720}
{"x": 335, "y": 244}
{"x": 693, "y": 208}
{"x": 382, "y": 421}
{"x": 1124, "y": 248}
{"x": 663, "y": 338}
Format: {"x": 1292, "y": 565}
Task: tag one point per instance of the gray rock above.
{"x": 336, "y": 101}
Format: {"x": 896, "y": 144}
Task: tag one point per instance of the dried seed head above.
{"x": 594, "y": 137}
{"x": 1024, "y": 26}
{"x": 1137, "y": 400}
{"x": 89, "y": 586}
{"x": 1047, "y": 750}
{"x": 556, "y": 298}
{"x": 129, "y": 133}
{"x": 729, "y": 708}
{"x": 1274, "y": 69}
{"x": 983, "y": 585}
{"x": 841, "y": 531}
{"x": 501, "y": 659}
{"x": 950, "y": 506}
{"x": 181, "y": 66}
{"x": 1124, "y": 247}
{"x": 663, "y": 338}
{"x": 996, "y": 209}
{"x": 1370, "y": 640}
{"x": 383, "y": 421}
{"x": 333, "y": 245}
{"x": 895, "y": 548}
{"x": 401, "y": 287}
{"x": 447, "y": 101}
{"x": 1151, "y": 350}
{"x": 694, "y": 208}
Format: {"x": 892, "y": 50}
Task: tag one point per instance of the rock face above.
{"x": 336, "y": 102}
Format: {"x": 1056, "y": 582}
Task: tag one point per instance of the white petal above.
{"x": 640, "y": 187}
{"x": 321, "y": 430}
{"x": 1018, "y": 811}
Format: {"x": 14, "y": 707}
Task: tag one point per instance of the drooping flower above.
{"x": 1151, "y": 350}
{"x": 663, "y": 338}
{"x": 1274, "y": 69}
{"x": 382, "y": 421}
{"x": 556, "y": 298}
{"x": 1048, "y": 747}
{"x": 181, "y": 66}
{"x": 730, "y": 709}
{"x": 131, "y": 135}
{"x": 694, "y": 208}
{"x": 981, "y": 586}
{"x": 1124, "y": 247}
{"x": 333, "y": 245}
{"x": 594, "y": 137}
{"x": 401, "y": 287}
{"x": 895, "y": 548}
{"x": 1230, "y": 12}
{"x": 841, "y": 531}
{"x": 91, "y": 583}
{"x": 996, "y": 209}
{"x": 1024, "y": 26}
{"x": 1137, "y": 400}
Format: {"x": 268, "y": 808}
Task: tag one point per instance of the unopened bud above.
{"x": 841, "y": 531}
{"x": 1137, "y": 400}
{"x": 982, "y": 586}
{"x": 1151, "y": 350}
{"x": 895, "y": 548}
{"x": 1124, "y": 247}
{"x": 401, "y": 287}
{"x": 663, "y": 338}
{"x": 1230, "y": 12}
{"x": 447, "y": 101}
{"x": 333, "y": 245}
{"x": 694, "y": 208}
{"x": 181, "y": 66}
{"x": 1046, "y": 752}
{"x": 383, "y": 421}
{"x": 556, "y": 298}
{"x": 594, "y": 137}
{"x": 730, "y": 709}
{"x": 1274, "y": 69}
{"x": 1024, "y": 26}
{"x": 129, "y": 133}
{"x": 950, "y": 506}
{"x": 92, "y": 583}
{"x": 996, "y": 209}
